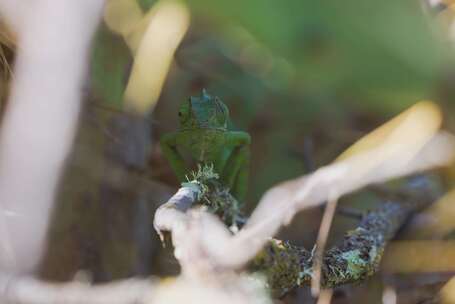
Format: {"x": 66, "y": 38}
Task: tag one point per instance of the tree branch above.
{"x": 359, "y": 254}
{"x": 287, "y": 266}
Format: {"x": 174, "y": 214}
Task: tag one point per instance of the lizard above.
{"x": 204, "y": 136}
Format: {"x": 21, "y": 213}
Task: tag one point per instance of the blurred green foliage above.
{"x": 375, "y": 52}
{"x": 293, "y": 71}
{"x": 111, "y": 59}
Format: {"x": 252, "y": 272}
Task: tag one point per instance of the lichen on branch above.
{"x": 215, "y": 196}
{"x": 356, "y": 258}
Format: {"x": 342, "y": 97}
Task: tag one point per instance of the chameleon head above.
{"x": 203, "y": 112}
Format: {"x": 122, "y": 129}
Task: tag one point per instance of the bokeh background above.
{"x": 304, "y": 78}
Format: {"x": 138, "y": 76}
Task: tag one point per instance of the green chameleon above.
{"x": 204, "y": 135}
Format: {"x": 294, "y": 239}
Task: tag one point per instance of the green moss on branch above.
{"x": 354, "y": 259}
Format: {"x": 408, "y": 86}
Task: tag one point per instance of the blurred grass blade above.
{"x": 435, "y": 222}
{"x": 417, "y": 123}
{"x": 419, "y": 257}
{"x": 448, "y": 292}
{"x": 122, "y": 16}
{"x": 154, "y": 55}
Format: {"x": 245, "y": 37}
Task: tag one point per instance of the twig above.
{"x": 321, "y": 242}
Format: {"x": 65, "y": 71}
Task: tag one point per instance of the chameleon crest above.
{"x": 204, "y": 112}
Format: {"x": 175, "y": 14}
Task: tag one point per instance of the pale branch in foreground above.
{"x": 27, "y": 290}
{"x": 357, "y": 257}
{"x": 228, "y": 289}
{"x": 28, "y": 181}
{"x": 222, "y": 289}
